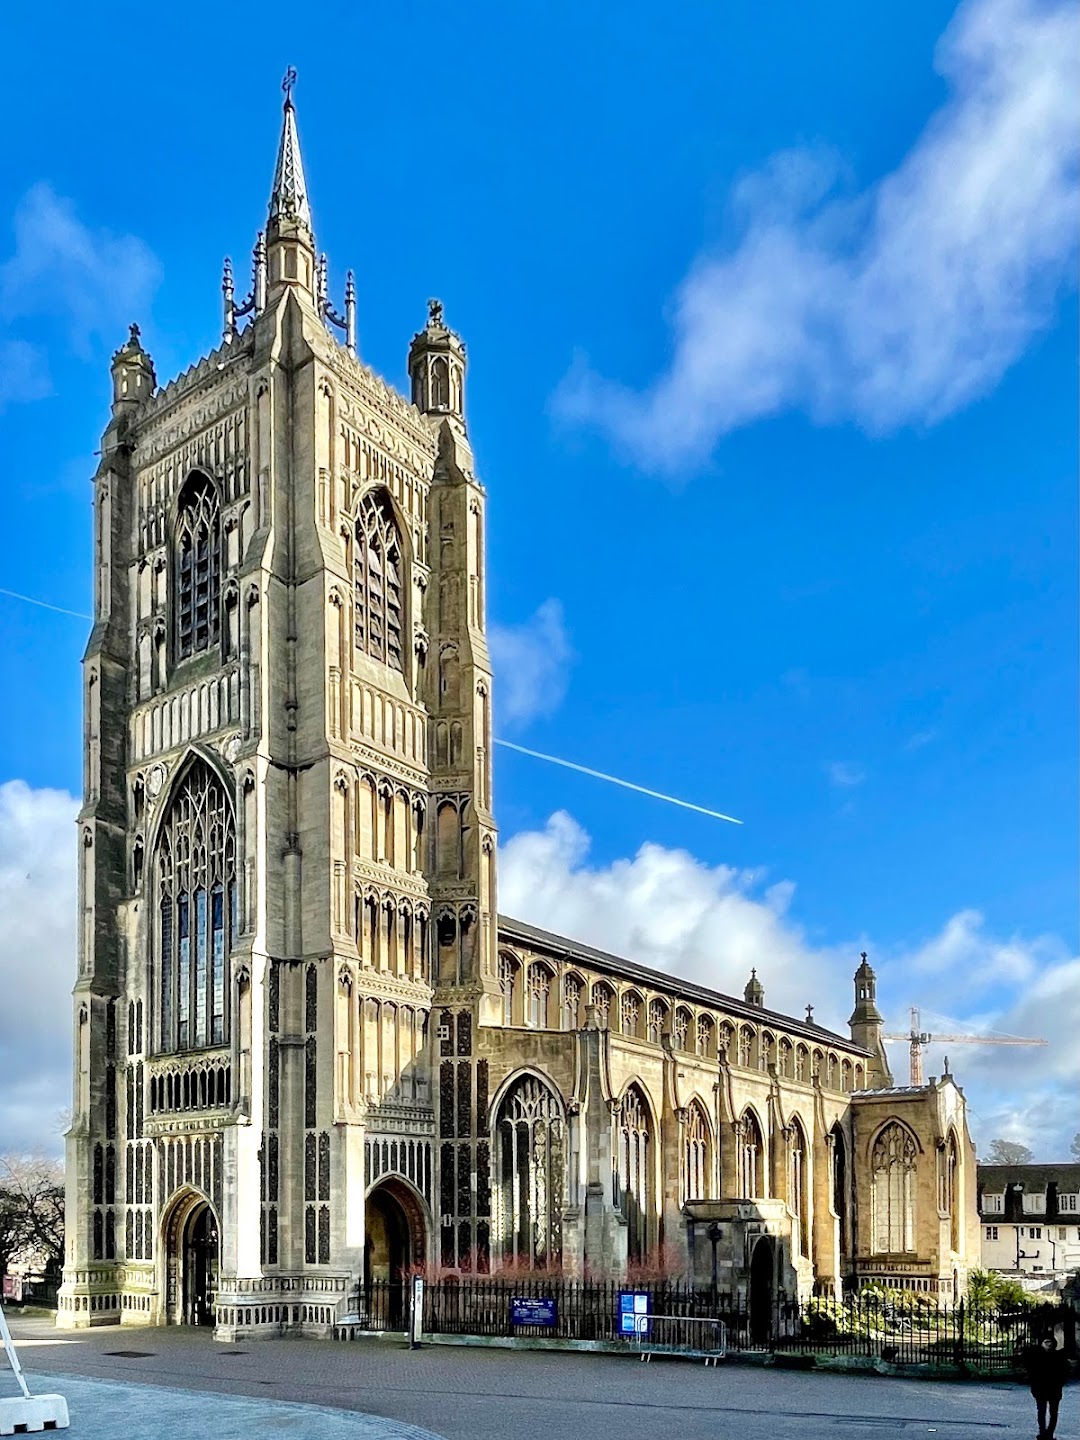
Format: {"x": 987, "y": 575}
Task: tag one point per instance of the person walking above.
{"x": 1046, "y": 1371}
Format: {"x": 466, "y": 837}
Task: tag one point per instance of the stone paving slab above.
{"x": 106, "y": 1409}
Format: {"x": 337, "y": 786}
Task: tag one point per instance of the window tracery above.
{"x": 681, "y": 1029}
{"x": 539, "y": 995}
{"x": 197, "y": 917}
{"x": 657, "y": 1016}
{"x": 630, "y": 1014}
{"x": 377, "y": 576}
{"x": 893, "y": 1164}
{"x": 531, "y": 1159}
{"x": 572, "y": 1002}
{"x": 751, "y": 1158}
{"x": 633, "y": 1179}
{"x": 696, "y": 1153}
{"x": 704, "y": 1035}
{"x": 601, "y": 999}
{"x": 198, "y": 567}
{"x": 746, "y": 1045}
{"x": 508, "y": 973}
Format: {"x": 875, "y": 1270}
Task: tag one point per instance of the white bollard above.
{"x": 26, "y": 1411}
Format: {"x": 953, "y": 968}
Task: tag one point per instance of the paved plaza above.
{"x": 181, "y": 1383}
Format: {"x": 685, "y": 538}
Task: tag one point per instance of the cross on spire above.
{"x": 288, "y": 199}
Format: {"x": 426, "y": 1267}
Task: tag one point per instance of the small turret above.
{"x": 754, "y": 994}
{"x": 133, "y": 375}
{"x": 866, "y": 1022}
{"x": 437, "y": 367}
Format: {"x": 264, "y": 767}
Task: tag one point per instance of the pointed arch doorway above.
{"x": 394, "y": 1241}
{"x": 192, "y": 1259}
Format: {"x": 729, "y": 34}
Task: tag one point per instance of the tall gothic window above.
{"x": 893, "y": 1163}
{"x": 377, "y": 573}
{"x": 633, "y": 1180}
{"x": 198, "y": 567}
{"x": 751, "y": 1159}
{"x": 530, "y": 1149}
{"x": 697, "y": 1153}
{"x": 798, "y": 1195}
{"x": 197, "y": 919}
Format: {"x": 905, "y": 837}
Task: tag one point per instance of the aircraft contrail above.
{"x": 14, "y": 594}
{"x": 506, "y": 744}
{"x": 614, "y": 780}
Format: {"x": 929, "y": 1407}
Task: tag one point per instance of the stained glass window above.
{"x": 196, "y": 869}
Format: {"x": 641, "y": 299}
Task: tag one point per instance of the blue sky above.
{"x": 772, "y": 338}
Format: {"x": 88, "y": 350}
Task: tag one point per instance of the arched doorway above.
{"x": 762, "y": 1267}
{"x": 193, "y": 1256}
{"x": 393, "y": 1243}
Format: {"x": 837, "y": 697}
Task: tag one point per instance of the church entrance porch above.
{"x": 192, "y": 1261}
{"x": 394, "y": 1241}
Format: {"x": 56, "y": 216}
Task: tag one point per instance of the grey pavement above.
{"x": 103, "y": 1409}
{"x": 481, "y": 1394}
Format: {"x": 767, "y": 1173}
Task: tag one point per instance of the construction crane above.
{"x": 918, "y": 1039}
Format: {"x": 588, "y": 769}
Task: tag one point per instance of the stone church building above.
{"x": 309, "y": 1052}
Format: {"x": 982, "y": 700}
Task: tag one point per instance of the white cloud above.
{"x": 710, "y": 924}
{"x": 899, "y": 305}
{"x": 89, "y": 283}
{"x": 532, "y": 662}
{"x": 667, "y": 909}
{"x": 844, "y": 775}
{"x": 37, "y": 963}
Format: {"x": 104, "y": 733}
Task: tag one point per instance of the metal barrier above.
{"x": 684, "y": 1335}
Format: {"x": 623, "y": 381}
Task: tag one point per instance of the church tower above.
{"x": 867, "y": 1026}
{"x": 287, "y": 882}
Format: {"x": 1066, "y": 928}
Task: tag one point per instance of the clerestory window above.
{"x": 198, "y": 567}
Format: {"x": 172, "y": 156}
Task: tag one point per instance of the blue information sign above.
{"x": 634, "y": 1312}
{"x": 530, "y": 1310}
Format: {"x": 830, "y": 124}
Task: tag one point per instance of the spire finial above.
{"x": 288, "y": 199}
{"x": 435, "y": 314}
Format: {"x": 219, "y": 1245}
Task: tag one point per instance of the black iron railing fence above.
{"x": 898, "y": 1329}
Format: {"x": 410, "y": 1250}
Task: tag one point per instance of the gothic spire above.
{"x": 289, "y": 199}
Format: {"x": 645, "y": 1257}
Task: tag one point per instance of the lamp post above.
{"x": 715, "y": 1235}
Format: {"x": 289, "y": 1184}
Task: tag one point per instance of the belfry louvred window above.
{"x": 378, "y": 574}
{"x": 198, "y": 567}
{"x": 197, "y": 919}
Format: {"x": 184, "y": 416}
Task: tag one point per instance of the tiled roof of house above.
{"x": 994, "y": 1179}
